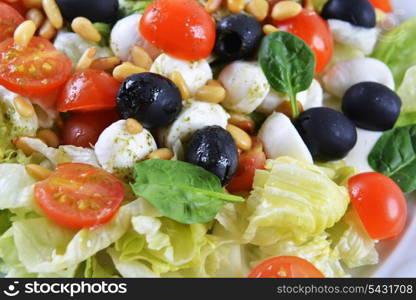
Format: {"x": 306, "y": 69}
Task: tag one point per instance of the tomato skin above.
{"x": 83, "y": 129}
{"x": 79, "y": 195}
{"x": 314, "y": 31}
{"x": 22, "y": 74}
{"x": 181, "y": 28}
{"x": 380, "y": 204}
{"x": 89, "y": 90}
{"x": 285, "y": 267}
{"x": 384, "y": 5}
{"x": 10, "y": 18}
{"x": 249, "y": 162}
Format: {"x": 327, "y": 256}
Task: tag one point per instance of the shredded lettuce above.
{"x": 129, "y": 7}
{"x": 105, "y": 30}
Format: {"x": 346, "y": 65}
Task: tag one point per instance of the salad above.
{"x": 184, "y": 138}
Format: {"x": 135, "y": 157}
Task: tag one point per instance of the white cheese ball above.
{"x": 347, "y": 73}
{"x": 125, "y": 35}
{"x": 246, "y": 86}
{"x": 280, "y": 138}
{"x": 195, "y": 115}
{"x": 195, "y": 73}
{"x": 117, "y": 149}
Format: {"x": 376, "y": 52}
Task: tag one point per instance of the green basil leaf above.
{"x": 288, "y": 64}
{"x": 394, "y": 155}
{"x": 180, "y": 191}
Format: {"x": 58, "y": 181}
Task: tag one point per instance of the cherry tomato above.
{"x": 380, "y": 204}
{"x": 35, "y": 70}
{"x": 249, "y": 162}
{"x": 88, "y": 91}
{"x": 314, "y": 31}
{"x": 79, "y": 195}
{"x": 384, "y": 5}
{"x": 10, "y": 18}
{"x": 83, "y": 129}
{"x": 181, "y": 28}
{"x": 285, "y": 267}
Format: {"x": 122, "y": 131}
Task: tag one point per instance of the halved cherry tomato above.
{"x": 384, "y": 5}
{"x": 17, "y": 5}
{"x": 249, "y": 162}
{"x": 83, "y": 129}
{"x": 314, "y": 31}
{"x": 79, "y": 195}
{"x": 35, "y": 70}
{"x": 285, "y": 267}
{"x": 181, "y": 28}
{"x": 380, "y": 204}
{"x": 88, "y": 91}
{"x": 10, "y": 18}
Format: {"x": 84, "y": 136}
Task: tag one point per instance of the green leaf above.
{"x": 105, "y": 30}
{"x": 181, "y": 191}
{"x": 394, "y": 155}
{"x": 288, "y": 64}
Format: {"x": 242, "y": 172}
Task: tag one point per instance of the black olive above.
{"x": 153, "y": 100}
{"x": 372, "y": 106}
{"x": 213, "y": 149}
{"x": 238, "y": 36}
{"x": 357, "y": 12}
{"x": 105, "y": 11}
{"x": 327, "y": 133}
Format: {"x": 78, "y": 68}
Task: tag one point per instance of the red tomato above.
{"x": 384, "y": 5}
{"x": 285, "y": 267}
{"x": 314, "y": 30}
{"x": 380, "y": 204}
{"x": 9, "y": 20}
{"x": 79, "y": 195}
{"x": 250, "y": 161}
{"x": 88, "y": 91}
{"x": 35, "y": 70}
{"x": 83, "y": 129}
{"x": 181, "y": 28}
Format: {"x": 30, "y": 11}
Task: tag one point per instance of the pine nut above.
{"x": 84, "y": 28}
{"x": 141, "y": 58}
{"x": 38, "y": 172}
{"x": 53, "y": 13}
{"x": 35, "y": 15}
{"x": 105, "y": 63}
{"x": 285, "y": 10}
{"x": 235, "y": 6}
{"x": 177, "y": 78}
{"x": 86, "y": 59}
{"x": 49, "y": 137}
{"x": 125, "y": 70}
{"x": 47, "y": 31}
{"x": 286, "y": 108}
{"x": 162, "y": 153}
{"x": 213, "y": 5}
{"x": 214, "y": 82}
{"x": 210, "y": 93}
{"x": 24, "y": 33}
{"x": 242, "y": 121}
{"x": 241, "y": 138}
{"x": 308, "y": 4}
{"x": 133, "y": 126}
{"x": 258, "y": 8}
{"x": 21, "y": 144}
{"x": 267, "y": 29}
{"x": 23, "y": 107}
{"x": 32, "y": 3}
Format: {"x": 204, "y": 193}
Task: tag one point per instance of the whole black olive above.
{"x": 357, "y": 12}
{"x": 238, "y": 36}
{"x": 153, "y": 100}
{"x": 105, "y": 11}
{"x": 372, "y": 106}
{"x": 327, "y": 133}
{"x": 213, "y": 149}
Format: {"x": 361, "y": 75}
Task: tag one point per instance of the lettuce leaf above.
{"x": 407, "y": 93}
{"x": 129, "y": 7}
{"x": 354, "y": 245}
{"x": 397, "y": 49}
